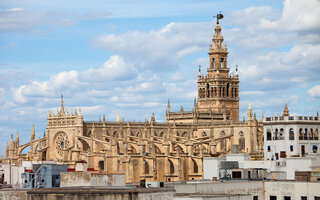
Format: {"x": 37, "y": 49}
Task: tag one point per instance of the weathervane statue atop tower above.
{"x": 219, "y": 16}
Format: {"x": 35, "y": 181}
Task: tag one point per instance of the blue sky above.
{"x": 131, "y": 56}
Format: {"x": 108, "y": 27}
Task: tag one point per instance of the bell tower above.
{"x": 218, "y": 91}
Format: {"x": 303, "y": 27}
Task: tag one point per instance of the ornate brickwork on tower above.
{"x": 218, "y": 91}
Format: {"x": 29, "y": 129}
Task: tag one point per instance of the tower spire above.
{"x": 11, "y": 142}
{"x": 33, "y": 133}
{"x": 249, "y": 112}
{"x": 17, "y": 139}
{"x": 61, "y": 106}
{"x": 285, "y": 110}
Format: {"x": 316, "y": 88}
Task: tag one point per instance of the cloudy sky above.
{"x": 132, "y": 56}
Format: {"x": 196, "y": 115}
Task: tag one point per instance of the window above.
{"x": 171, "y": 167}
{"x": 273, "y": 197}
{"x": 236, "y": 174}
{"x": 291, "y": 134}
{"x": 101, "y": 165}
{"x": 146, "y": 168}
{"x": 314, "y": 148}
{"x": 304, "y": 198}
{"x": 291, "y": 148}
{"x": 195, "y": 167}
{"x": 316, "y": 198}
{"x": 269, "y": 134}
{"x": 277, "y": 156}
{"x": 255, "y": 197}
{"x": 269, "y": 148}
{"x": 287, "y": 198}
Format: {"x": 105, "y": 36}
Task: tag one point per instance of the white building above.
{"x": 290, "y": 136}
{"x": 280, "y": 170}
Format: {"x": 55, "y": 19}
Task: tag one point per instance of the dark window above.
{"x": 291, "y": 134}
{"x": 277, "y": 156}
{"x": 268, "y": 135}
{"x": 146, "y": 168}
{"x": 171, "y": 167}
{"x": 316, "y": 198}
{"x": 101, "y": 164}
{"x": 269, "y": 148}
{"x": 255, "y": 197}
{"x": 195, "y": 167}
{"x": 287, "y": 198}
{"x": 236, "y": 174}
{"x": 273, "y": 197}
{"x": 304, "y": 198}
{"x": 291, "y": 147}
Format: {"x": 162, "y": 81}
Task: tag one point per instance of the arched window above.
{"x": 242, "y": 142}
{"x": 291, "y": 134}
{"x": 146, "y": 168}
{"x": 171, "y": 167}
{"x": 215, "y": 91}
{"x": 275, "y": 134}
{"x": 101, "y": 165}
{"x": 269, "y": 134}
{"x": 195, "y": 167}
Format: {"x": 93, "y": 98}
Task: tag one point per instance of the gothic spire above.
{"x": 33, "y": 133}
{"x": 11, "y": 142}
{"x": 249, "y": 112}
{"x": 17, "y": 139}
{"x": 285, "y": 110}
{"x": 118, "y": 118}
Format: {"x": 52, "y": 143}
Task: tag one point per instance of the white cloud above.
{"x": 157, "y": 50}
{"x": 314, "y": 91}
{"x": 301, "y": 15}
{"x": 59, "y": 83}
{"x": 113, "y": 69}
{"x": 19, "y": 19}
{"x": 252, "y": 93}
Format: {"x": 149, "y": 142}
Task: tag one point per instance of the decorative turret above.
{"x": 285, "y": 111}
{"x": 168, "y": 105}
{"x": 153, "y": 118}
{"x": 11, "y": 146}
{"x": 61, "y": 106}
{"x": 249, "y": 112}
{"x": 118, "y": 118}
{"x": 17, "y": 140}
{"x": 33, "y": 134}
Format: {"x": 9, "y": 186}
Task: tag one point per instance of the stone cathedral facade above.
{"x": 156, "y": 151}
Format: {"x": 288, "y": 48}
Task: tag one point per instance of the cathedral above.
{"x": 156, "y": 151}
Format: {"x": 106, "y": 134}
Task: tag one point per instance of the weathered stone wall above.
{"x": 68, "y": 179}
{"x": 10, "y": 194}
{"x": 99, "y": 193}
